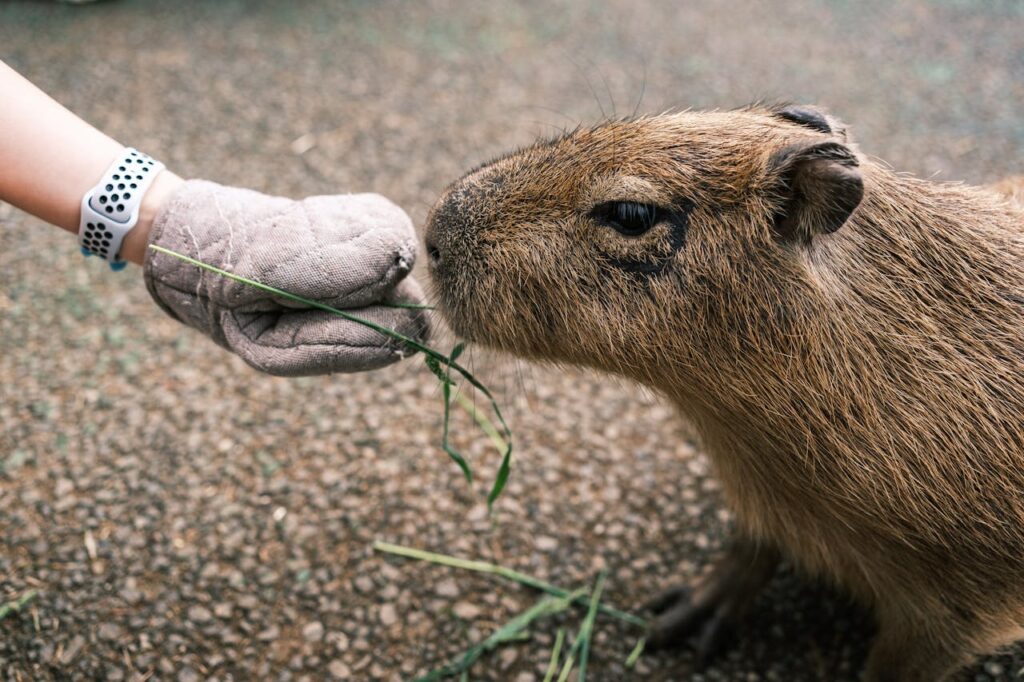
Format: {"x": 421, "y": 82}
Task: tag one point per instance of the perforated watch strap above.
{"x": 111, "y": 209}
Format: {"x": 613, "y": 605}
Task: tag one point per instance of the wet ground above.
{"x": 184, "y": 518}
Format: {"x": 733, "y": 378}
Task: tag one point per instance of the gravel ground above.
{"x": 184, "y": 518}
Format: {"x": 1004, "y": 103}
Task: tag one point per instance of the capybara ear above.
{"x": 818, "y": 185}
{"x": 807, "y": 116}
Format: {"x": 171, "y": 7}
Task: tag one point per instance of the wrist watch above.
{"x": 111, "y": 209}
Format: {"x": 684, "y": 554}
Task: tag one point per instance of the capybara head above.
{"x": 642, "y": 242}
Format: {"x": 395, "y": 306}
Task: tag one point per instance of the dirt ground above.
{"x": 185, "y": 518}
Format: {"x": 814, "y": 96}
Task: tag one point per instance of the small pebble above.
{"x": 269, "y": 634}
{"x": 187, "y": 674}
{"x": 466, "y": 610}
{"x": 339, "y": 670}
{"x": 199, "y": 614}
{"x": 110, "y": 632}
{"x": 447, "y": 588}
{"x": 388, "y": 615}
{"x": 313, "y": 632}
{"x": 546, "y": 543}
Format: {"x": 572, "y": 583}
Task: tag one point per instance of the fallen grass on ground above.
{"x": 440, "y": 365}
{"x": 16, "y": 605}
{"x": 558, "y": 600}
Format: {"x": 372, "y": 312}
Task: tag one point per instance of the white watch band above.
{"x": 111, "y": 208}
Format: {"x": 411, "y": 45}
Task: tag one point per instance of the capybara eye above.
{"x": 627, "y": 217}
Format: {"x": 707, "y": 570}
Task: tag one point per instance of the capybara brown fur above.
{"x": 847, "y": 341}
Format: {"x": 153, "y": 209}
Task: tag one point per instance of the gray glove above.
{"x": 350, "y": 252}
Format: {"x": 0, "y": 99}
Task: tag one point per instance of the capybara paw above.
{"x": 678, "y": 615}
{"x": 714, "y": 610}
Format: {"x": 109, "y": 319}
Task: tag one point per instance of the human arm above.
{"x": 350, "y": 251}
{"x": 51, "y": 158}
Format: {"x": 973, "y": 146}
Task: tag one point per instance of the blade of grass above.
{"x": 411, "y": 306}
{"x": 555, "y": 651}
{"x": 509, "y": 632}
{"x": 506, "y": 462}
{"x": 570, "y": 661}
{"x": 446, "y": 391}
{"x": 16, "y": 605}
{"x": 634, "y": 655}
{"x": 503, "y": 572}
{"x": 581, "y": 645}
{"x": 483, "y": 421}
{"x": 501, "y": 479}
{"x": 487, "y": 426}
{"x": 587, "y": 629}
{"x": 427, "y": 351}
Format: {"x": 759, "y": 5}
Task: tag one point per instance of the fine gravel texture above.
{"x": 183, "y": 517}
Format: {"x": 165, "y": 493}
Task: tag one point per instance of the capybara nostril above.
{"x": 433, "y": 253}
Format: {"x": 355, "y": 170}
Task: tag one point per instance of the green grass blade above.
{"x": 587, "y": 629}
{"x": 506, "y": 461}
{"x": 581, "y": 645}
{"x": 509, "y": 632}
{"x": 485, "y": 424}
{"x": 446, "y": 389}
{"x": 638, "y": 650}
{"x": 555, "y": 651}
{"x": 410, "y": 306}
{"x": 570, "y": 661}
{"x": 16, "y": 605}
{"x": 434, "y": 365}
{"x": 501, "y": 479}
{"x": 502, "y": 572}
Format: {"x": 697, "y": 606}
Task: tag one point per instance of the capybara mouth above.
{"x": 451, "y": 306}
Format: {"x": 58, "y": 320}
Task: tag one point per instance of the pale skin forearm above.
{"x": 49, "y": 159}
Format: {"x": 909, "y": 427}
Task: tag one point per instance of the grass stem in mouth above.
{"x": 434, "y": 360}
{"x": 410, "y": 306}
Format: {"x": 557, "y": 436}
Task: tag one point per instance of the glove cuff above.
{"x": 157, "y": 267}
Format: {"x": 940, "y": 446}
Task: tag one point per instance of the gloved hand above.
{"x": 351, "y": 252}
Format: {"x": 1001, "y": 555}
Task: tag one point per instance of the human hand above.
{"x": 351, "y": 252}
